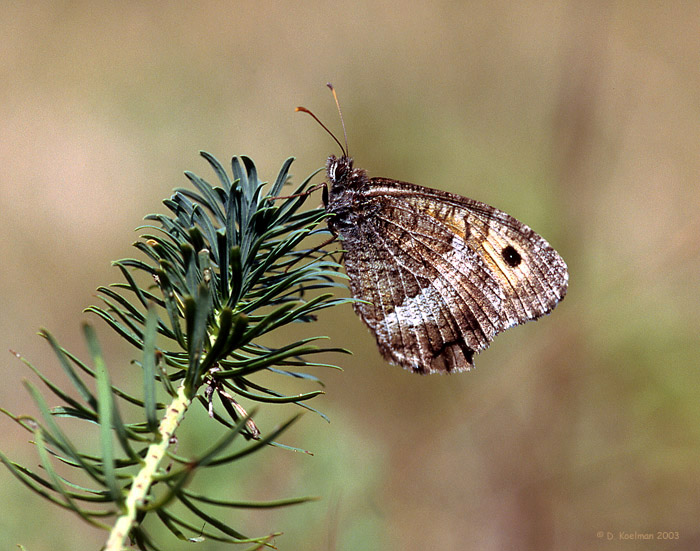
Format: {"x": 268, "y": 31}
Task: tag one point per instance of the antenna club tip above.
{"x": 330, "y": 85}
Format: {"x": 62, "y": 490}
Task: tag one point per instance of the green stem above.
{"x": 143, "y": 480}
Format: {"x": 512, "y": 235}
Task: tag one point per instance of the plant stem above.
{"x": 143, "y": 480}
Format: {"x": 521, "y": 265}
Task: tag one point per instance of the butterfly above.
{"x": 437, "y": 275}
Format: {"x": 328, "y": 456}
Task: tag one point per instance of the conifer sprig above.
{"x": 220, "y": 272}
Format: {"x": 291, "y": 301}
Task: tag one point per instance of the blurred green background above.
{"x": 580, "y": 118}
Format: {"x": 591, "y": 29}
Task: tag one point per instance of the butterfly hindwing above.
{"x": 408, "y": 315}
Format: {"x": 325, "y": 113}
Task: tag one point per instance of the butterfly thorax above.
{"x": 345, "y": 196}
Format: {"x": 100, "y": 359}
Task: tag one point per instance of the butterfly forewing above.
{"x": 527, "y": 269}
{"x": 438, "y": 275}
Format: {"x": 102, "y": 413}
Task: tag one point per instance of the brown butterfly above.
{"x": 438, "y": 275}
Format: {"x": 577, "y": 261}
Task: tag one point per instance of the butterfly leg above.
{"x": 310, "y": 252}
{"x": 323, "y": 186}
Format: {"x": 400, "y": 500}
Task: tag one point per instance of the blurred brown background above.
{"x": 580, "y": 118}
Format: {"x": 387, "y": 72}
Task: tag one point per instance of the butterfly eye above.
{"x": 339, "y": 169}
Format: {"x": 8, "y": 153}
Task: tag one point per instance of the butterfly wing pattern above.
{"x": 437, "y": 275}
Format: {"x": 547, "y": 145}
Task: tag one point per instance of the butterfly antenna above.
{"x": 342, "y": 122}
{"x": 305, "y": 110}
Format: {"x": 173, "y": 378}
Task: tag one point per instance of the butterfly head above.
{"x": 338, "y": 168}
{"x": 341, "y": 173}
